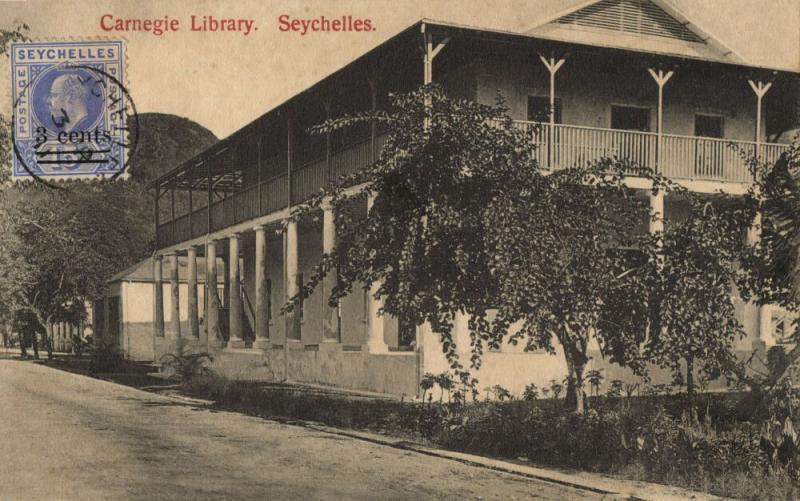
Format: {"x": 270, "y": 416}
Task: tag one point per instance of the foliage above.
{"x": 185, "y": 367}
{"x": 104, "y": 357}
{"x": 464, "y": 221}
{"x": 701, "y": 444}
{"x": 595, "y": 377}
{"x": 531, "y": 393}
{"x": 777, "y": 361}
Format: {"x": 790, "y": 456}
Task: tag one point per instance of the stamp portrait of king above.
{"x": 71, "y": 109}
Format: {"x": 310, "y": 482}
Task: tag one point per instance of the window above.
{"x": 782, "y": 328}
{"x": 539, "y": 109}
{"x": 708, "y": 126}
{"x": 406, "y": 334}
{"x": 630, "y": 118}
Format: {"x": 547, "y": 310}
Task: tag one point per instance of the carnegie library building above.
{"x": 634, "y": 79}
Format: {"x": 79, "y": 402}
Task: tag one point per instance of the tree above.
{"x": 773, "y": 264}
{"x": 692, "y": 288}
{"x": 465, "y": 221}
{"x": 61, "y": 245}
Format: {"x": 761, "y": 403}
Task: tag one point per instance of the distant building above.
{"x": 627, "y": 78}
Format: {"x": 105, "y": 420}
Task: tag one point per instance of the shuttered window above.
{"x": 631, "y": 16}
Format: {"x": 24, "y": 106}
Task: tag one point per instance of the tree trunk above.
{"x": 23, "y": 345}
{"x": 575, "y": 396}
{"x": 48, "y": 336}
{"x": 690, "y": 376}
{"x": 35, "y": 342}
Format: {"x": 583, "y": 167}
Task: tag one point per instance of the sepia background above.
{"x": 225, "y": 80}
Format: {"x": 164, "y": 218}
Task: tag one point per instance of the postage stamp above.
{"x": 71, "y": 109}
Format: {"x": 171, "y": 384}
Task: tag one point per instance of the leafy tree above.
{"x": 464, "y": 221}
{"x": 774, "y": 263}
{"x": 693, "y": 319}
{"x": 61, "y": 245}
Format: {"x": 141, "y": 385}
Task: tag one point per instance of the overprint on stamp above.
{"x": 71, "y": 109}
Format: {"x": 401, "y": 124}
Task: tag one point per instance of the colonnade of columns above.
{"x": 234, "y": 281}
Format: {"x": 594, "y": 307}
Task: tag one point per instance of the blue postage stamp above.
{"x": 71, "y": 109}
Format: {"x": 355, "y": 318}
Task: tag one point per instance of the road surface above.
{"x": 66, "y": 436}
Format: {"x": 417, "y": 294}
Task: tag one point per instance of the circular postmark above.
{"x": 73, "y": 121}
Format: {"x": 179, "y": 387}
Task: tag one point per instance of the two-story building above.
{"x": 626, "y": 78}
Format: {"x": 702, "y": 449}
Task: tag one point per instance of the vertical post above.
{"x": 375, "y": 339}
{"x": 754, "y": 231}
{"x": 106, "y": 319}
{"x": 210, "y": 197}
{"x": 288, "y": 278}
{"x": 213, "y": 337}
{"x": 191, "y": 266}
{"x": 553, "y": 65}
{"x": 258, "y": 166}
{"x": 156, "y": 211}
{"x": 235, "y": 298}
{"x": 262, "y": 313}
{"x": 158, "y": 298}
{"x": 172, "y": 212}
{"x": 326, "y": 105}
{"x": 330, "y": 323}
{"x": 191, "y": 210}
{"x": 175, "y": 287}
{"x": 657, "y": 198}
{"x": 292, "y": 286}
{"x": 431, "y": 52}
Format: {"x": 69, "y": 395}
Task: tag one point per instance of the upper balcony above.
{"x": 720, "y": 162}
{"x": 685, "y": 158}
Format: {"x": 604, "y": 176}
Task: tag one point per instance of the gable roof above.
{"x": 647, "y": 25}
{"x": 143, "y": 271}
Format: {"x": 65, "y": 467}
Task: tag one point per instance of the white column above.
{"x": 657, "y": 199}
{"x": 194, "y": 321}
{"x": 375, "y": 340}
{"x": 262, "y": 312}
{"x": 330, "y": 322}
{"x": 213, "y": 339}
{"x": 291, "y": 264}
{"x": 158, "y": 298}
{"x": 175, "y": 286}
{"x": 235, "y": 300}
{"x": 754, "y": 232}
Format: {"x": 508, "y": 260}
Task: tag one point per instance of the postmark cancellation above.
{"x": 71, "y": 109}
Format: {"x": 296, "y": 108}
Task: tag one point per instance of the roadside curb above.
{"x": 613, "y": 488}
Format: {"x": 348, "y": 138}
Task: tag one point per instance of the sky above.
{"x": 224, "y": 80}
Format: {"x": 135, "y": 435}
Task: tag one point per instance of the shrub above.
{"x": 104, "y": 357}
{"x": 185, "y": 367}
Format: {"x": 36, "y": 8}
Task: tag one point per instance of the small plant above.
{"x": 531, "y": 393}
{"x": 426, "y": 384}
{"x": 79, "y": 346}
{"x": 556, "y": 388}
{"x": 104, "y": 357}
{"x": 630, "y": 389}
{"x": 186, "y": 367}
{"x": 595, "y": 378}
{"x": 615, "y": 389}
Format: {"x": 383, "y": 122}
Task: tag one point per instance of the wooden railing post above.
{"x": 553, "y": 65}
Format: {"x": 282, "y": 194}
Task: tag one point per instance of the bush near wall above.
{"x": 714, "y": 443}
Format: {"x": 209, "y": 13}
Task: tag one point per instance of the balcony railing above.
{"x": 268, "y": 196}
{"x": 683, "y": 158}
